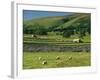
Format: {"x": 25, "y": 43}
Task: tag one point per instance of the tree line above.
{"x": 81, "y": 28}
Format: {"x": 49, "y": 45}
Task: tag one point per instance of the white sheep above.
{"x": 76, "y": 40}
{"x": 40, "y": 58}
{"x": 70, "y": 58}
{"x": 57, "y": 58}
{"x": 32, "y": 35}
{"x": 44, "y": 62}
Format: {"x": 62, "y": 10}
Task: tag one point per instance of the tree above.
{"x": 67, "y": 33}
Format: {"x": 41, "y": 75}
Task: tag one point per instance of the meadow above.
{"x": 57, "y": 41}
{"x": 67, "y": 59}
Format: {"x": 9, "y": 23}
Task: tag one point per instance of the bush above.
{"x": 67, "y": 33}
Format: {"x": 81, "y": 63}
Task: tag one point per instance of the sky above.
{"x": 31, "y": 14}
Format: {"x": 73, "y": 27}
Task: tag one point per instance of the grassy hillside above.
{"x": 51, "y": 21}
{"x": 46, "y": 22}
{"x": 76, "y": 19}
{"x": 78, "y": 22}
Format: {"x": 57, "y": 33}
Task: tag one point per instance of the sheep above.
{"x": 70, "y": 58}
{"x": 40, "y": 58}
{"x": 44, "y": 62}
{"x": 76, "y": 40}
{"x": 32, "y": 35}
{"x": 57, "y": 58}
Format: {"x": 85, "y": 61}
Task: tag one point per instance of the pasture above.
{"x": 52, "y": 38}
{"x": 48, "y": 47}
{"x": 31, "y": 59}
{"x": 57, "y": 41}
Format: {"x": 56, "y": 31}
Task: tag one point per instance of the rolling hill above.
{"x": 77, "y": 21}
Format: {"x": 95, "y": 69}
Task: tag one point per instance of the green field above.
{"x": 31, "y": 59}
{"x": 49, "y": 42}
{"x": 52, "y": 38}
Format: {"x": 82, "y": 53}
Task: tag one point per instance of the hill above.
{"x": 78, "y": 23}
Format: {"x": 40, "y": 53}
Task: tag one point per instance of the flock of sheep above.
{"x": 57, "y": 57}
{"x": 44, "y": 62}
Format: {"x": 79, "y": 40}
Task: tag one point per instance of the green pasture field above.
{"x": 78, "y": 59}
{"x": 47, "y": 38}
{"x": 54, "y": 39}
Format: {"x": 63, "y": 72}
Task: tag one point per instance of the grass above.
{"x": 46, "y": 21}
{"x": 55, "y": 40}
{"x": 54, "y": 36}
{"x": 31, "y": 59}
{"x": 72, "y": 21}
{"x": 58, "y": 42}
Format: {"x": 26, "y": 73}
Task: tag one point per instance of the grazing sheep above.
{"x": 57, "y": 58}
{"x": 76, "y": 40}
{"x": 40, "y": 58}
{"x": 70, "y": 58}
{"x": 32, "y": 35}
{"x": 44, "y": 62}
